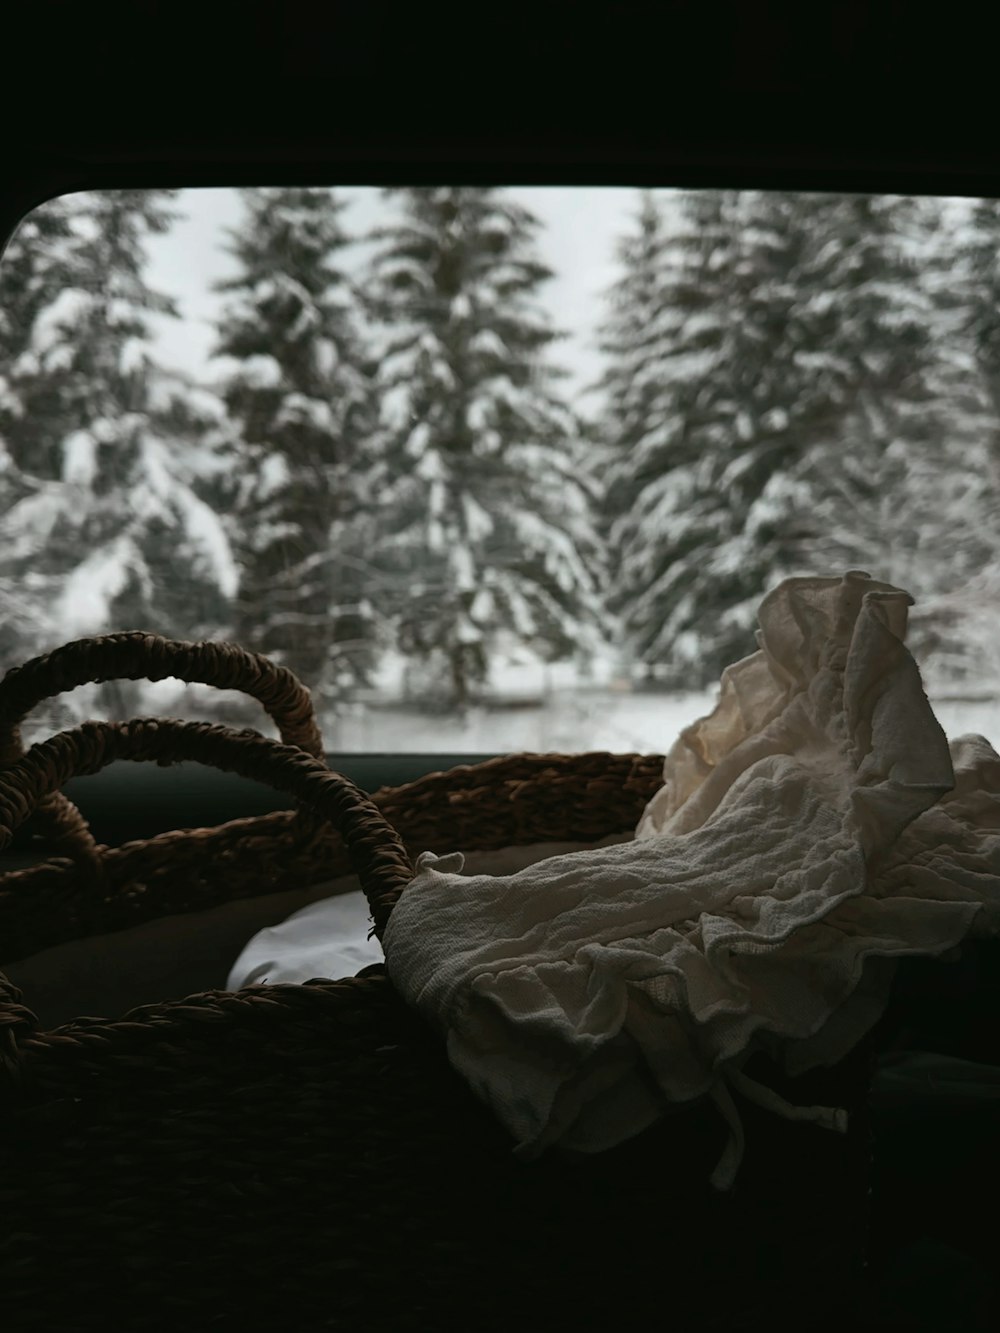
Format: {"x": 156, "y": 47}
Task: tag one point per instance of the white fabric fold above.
{"x": 329, "y": 937}
{"x": 809, "y": 831}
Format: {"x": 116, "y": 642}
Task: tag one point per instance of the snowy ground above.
{"x": 574, "y": 720}
{"x": 568, "y": 721}
{"x": 980, "y": 716}
{"x": 536, "y": 709}
{"x": 552, "y": 708}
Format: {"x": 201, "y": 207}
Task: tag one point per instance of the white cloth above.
{"x": 329, "y": 937}
{"x": 812, "y": 822}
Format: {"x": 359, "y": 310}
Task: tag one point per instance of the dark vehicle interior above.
{"x": 856, "y": 98}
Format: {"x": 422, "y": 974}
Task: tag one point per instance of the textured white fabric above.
{"x": 329, "y": 937}
{"x": 812, "y": 822}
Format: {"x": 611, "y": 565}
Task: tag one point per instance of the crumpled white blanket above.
{"x": 814, "y": 827}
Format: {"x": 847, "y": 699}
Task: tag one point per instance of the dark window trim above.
{"x": 761, "y": 144}
{"x": 130, "y": 801}
{"x": 873, "y": 156}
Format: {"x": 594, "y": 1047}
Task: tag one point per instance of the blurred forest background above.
{"x": 382, "y": 479}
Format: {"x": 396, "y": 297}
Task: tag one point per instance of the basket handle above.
{"x": 141, "y": 656}
{"x": 375, "y": 848}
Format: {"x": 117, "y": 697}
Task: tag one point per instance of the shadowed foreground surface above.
{"x": 322, "y": 1166}
{"x": 364, "y": 1184}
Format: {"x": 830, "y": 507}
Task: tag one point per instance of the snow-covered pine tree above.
{"x": 704, "y": 403}
{"x": 638, "y": 400}
{"x": 300, "y": 396}
{"x": 896, "y": 475}
{"x": 981, "y": 254}
{"x": 25, "y": 623}
{"x": 112, "y": 532}
{"x": 489, "y": 535}
{"x": 668, "y": 322}
{"x": 778, "y": 404}
{"x": 32, "y": 269}
{"x": 959, "y": 504}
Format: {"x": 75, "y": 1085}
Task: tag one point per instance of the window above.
{"x": 495, "y": 469}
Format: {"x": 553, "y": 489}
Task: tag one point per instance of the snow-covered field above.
{"x": 575, "y": 720}
{"x": 553, "y": 708}
{"x": 981, "y": 717}
{"x": 536, "y": 708}
{"x": 571, "y": 720}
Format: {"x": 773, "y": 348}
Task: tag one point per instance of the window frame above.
{"x": 129, "y": 802}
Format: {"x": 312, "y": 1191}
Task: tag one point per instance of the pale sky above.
{"x": 577, "y": 240}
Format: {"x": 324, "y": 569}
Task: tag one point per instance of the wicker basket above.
{"x": 303, "y": 1156}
